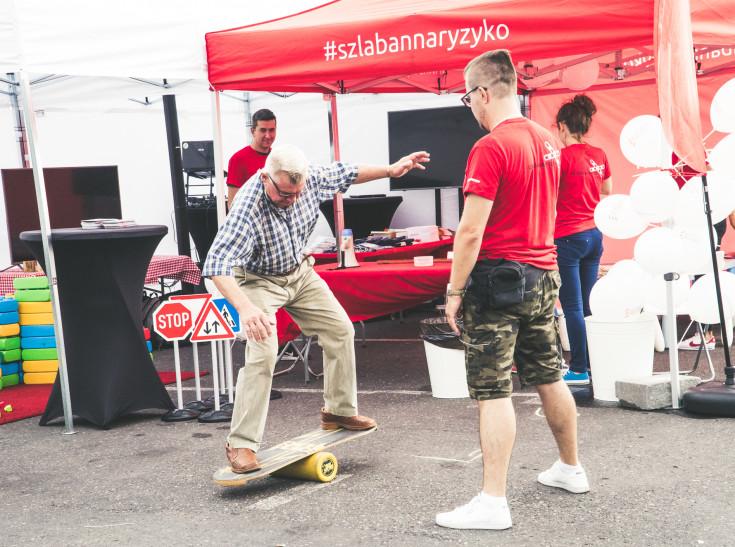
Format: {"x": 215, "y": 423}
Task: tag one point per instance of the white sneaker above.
{"x": 695, "y": 341}
{"x": 573, "y": 482}
{"x": 476, "y": 516}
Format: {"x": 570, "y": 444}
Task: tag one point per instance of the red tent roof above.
{"x": 402, "y": 45}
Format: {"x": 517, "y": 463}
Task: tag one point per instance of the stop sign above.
{"x": 172, "y": 320}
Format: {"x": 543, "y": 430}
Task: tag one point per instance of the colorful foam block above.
{"x": 9, "y": 330}
{"x": 37, "y": 342}
{"x": 36, "y": 319}
{"x": 10, "y": 368}
{"x": 9, "y": 317}
{"x": 11, "y": 380}
{"x": 33, "y": 295}
{"x": 146, "y": 333}
{"x": 10, "y": 355}
{"x": 37, "y": 282}
{"x": 45, "y": 365}
{"x": 39, "y": 377}
{"x": 38, "y": 354}
{"x": 33, "y": 307}
{"x": 8, "y": 304}
{"x": 150, "y": 346}
{"x": 35, "y": 330}
{"x": 11, "y": 342}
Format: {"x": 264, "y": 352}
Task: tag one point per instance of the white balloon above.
{"x": 655, "y": 299}
{"x": 690, "y": 207}
{"x": 658, "y": 251}
{"x": 722, "y": 156}
{"x": 643, "y": 143}
{"x": 615, "y": 217}
{"x": 702, "y": 299}
{"x": 632, "y": 270}
{"x": 722, "y": 110}
{"x": 615, "y": 298}
{"x": 696, "y": 253}
{"x": 580, "y": 76}
{"x": 654, "y": 196}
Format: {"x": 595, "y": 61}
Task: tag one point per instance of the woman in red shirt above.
{"x": 585, "y": 176}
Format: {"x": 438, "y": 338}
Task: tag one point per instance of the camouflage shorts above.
{"x": 525, "y": 335}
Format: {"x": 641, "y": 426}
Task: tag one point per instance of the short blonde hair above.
{"x": 494, "y": 71}
{"x": 287, "y": 159}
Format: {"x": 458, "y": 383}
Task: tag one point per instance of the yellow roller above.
{"x": 39, "y": 377}
{"x": 10, "y": 330}
{"x": 42, "y": 365}
{"x": 36, "y": 319}
{"x": 34, "y": 307}
{"x": 321, "y": 467}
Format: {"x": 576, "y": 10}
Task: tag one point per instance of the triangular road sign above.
{"x": 211, "y": 325}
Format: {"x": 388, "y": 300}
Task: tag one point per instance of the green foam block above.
{"x": 39, "y": 282}
{"x": 10, "y": 342}
{"x": 11, "y": 355}
{"x": 10, "y": 380}
{"x": 32, "y": 295}
{"x": 39, "y": 354}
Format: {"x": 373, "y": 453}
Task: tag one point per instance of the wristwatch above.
{"x": 453, "y": 292}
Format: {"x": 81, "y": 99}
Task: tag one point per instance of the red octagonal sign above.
{"x": 172, "y": 320}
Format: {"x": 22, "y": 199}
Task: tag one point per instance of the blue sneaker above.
{"x": 576, "y": 378}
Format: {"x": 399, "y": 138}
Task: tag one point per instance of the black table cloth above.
{"x": 100, "y": 276}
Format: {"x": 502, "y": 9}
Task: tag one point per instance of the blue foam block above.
{"x": 10, "y": 368}
{"x": 8, "y": 304}
{"x": 8, "y": 317}
{"x": 150, "y": 346}
{"x": 36, "y": 330}
{"x": 36, "y": 342}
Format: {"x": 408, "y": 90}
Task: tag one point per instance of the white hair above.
{"x": 289, "y": 160}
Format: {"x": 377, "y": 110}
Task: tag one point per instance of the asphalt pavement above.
{"x": 658, "y": 477}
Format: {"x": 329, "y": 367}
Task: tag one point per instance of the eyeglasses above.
{"x": 278, "y": 190}
{"x": 466, "y": 97}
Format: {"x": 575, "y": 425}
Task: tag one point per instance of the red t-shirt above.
{"x": 583, "y": 168}
{"x": 517, "y": 167}
{"x": 243, "y": 165}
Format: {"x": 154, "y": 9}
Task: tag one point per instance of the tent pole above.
{"x": 339, "y": 221}
{"x": 177, "y": 174}
{"x": 219, "y": 177}
{"x": 20, "y": 126}
{"x": 48, "y": 248}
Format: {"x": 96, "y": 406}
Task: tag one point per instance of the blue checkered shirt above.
{"x": 266, "y": 240}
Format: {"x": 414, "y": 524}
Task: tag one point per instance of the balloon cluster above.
{"x": 680, "y": 244}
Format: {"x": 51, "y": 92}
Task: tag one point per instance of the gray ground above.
{"x": 658, "y": 477}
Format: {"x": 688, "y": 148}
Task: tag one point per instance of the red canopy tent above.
{"x": 396, "y": 46}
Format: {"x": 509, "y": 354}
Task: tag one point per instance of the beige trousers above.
{"x": 307, "y": 298}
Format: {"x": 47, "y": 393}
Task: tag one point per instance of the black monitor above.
{"x": 72, "y": 193}
{"x": 448, "y": 134}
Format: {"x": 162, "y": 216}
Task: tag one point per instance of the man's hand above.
{"x": 405, "y": 164}
{"x": 255, "y": 324}
{"x": 454, "y": 303}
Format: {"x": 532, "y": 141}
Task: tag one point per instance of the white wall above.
{"x": 93, "y": 122}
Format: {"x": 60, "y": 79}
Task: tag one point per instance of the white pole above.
{"x": 228, "y": 366}
{"x": 48, "y": 248}
{"x": 177, "y": 366}
{"x": 673, "y": 349}
{"x": 219, "y": 175}
{"x": 215, "y": 375}
{"x": 221, "y": 364}
{"x": 197, "y": 382}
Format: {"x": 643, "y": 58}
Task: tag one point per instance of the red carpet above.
{"x": 30, "y": 400}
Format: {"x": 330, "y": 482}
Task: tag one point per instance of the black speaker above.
{"x": 197, "y": 156}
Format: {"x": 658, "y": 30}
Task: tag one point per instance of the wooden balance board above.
{"x": 301, "y": 457}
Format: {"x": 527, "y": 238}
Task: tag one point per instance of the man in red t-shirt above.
{"x": 505, "y": 262}
{"x": 246, "y": 162}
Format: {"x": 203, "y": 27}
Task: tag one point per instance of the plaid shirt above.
{"x": 266, "y": 240}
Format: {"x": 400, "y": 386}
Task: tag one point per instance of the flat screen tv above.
{"x": 448, "y": 134}
{"x": 73, "y": 194}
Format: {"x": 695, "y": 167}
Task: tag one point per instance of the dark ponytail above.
{"x": 577, "y": 114}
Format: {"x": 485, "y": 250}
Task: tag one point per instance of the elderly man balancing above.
{"x": 510, "y": 189}
{"x": 257, "y": 263}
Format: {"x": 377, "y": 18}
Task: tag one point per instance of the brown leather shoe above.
{"x": 332, "y": 421}
{"x": 242, "y": 460}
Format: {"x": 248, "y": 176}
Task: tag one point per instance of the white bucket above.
{"x": 446, "y": 371}
{"x": 619, "y": 350}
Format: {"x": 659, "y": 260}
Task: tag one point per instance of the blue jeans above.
{"x": 578, "y": 256}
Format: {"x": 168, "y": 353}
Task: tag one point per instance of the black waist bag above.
{"x": 499, "y": 283}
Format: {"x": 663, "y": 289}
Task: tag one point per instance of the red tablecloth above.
{"x": 437, "y": 249}
{"x": 373, "y": 289}
{"x": 181, "y": 268}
